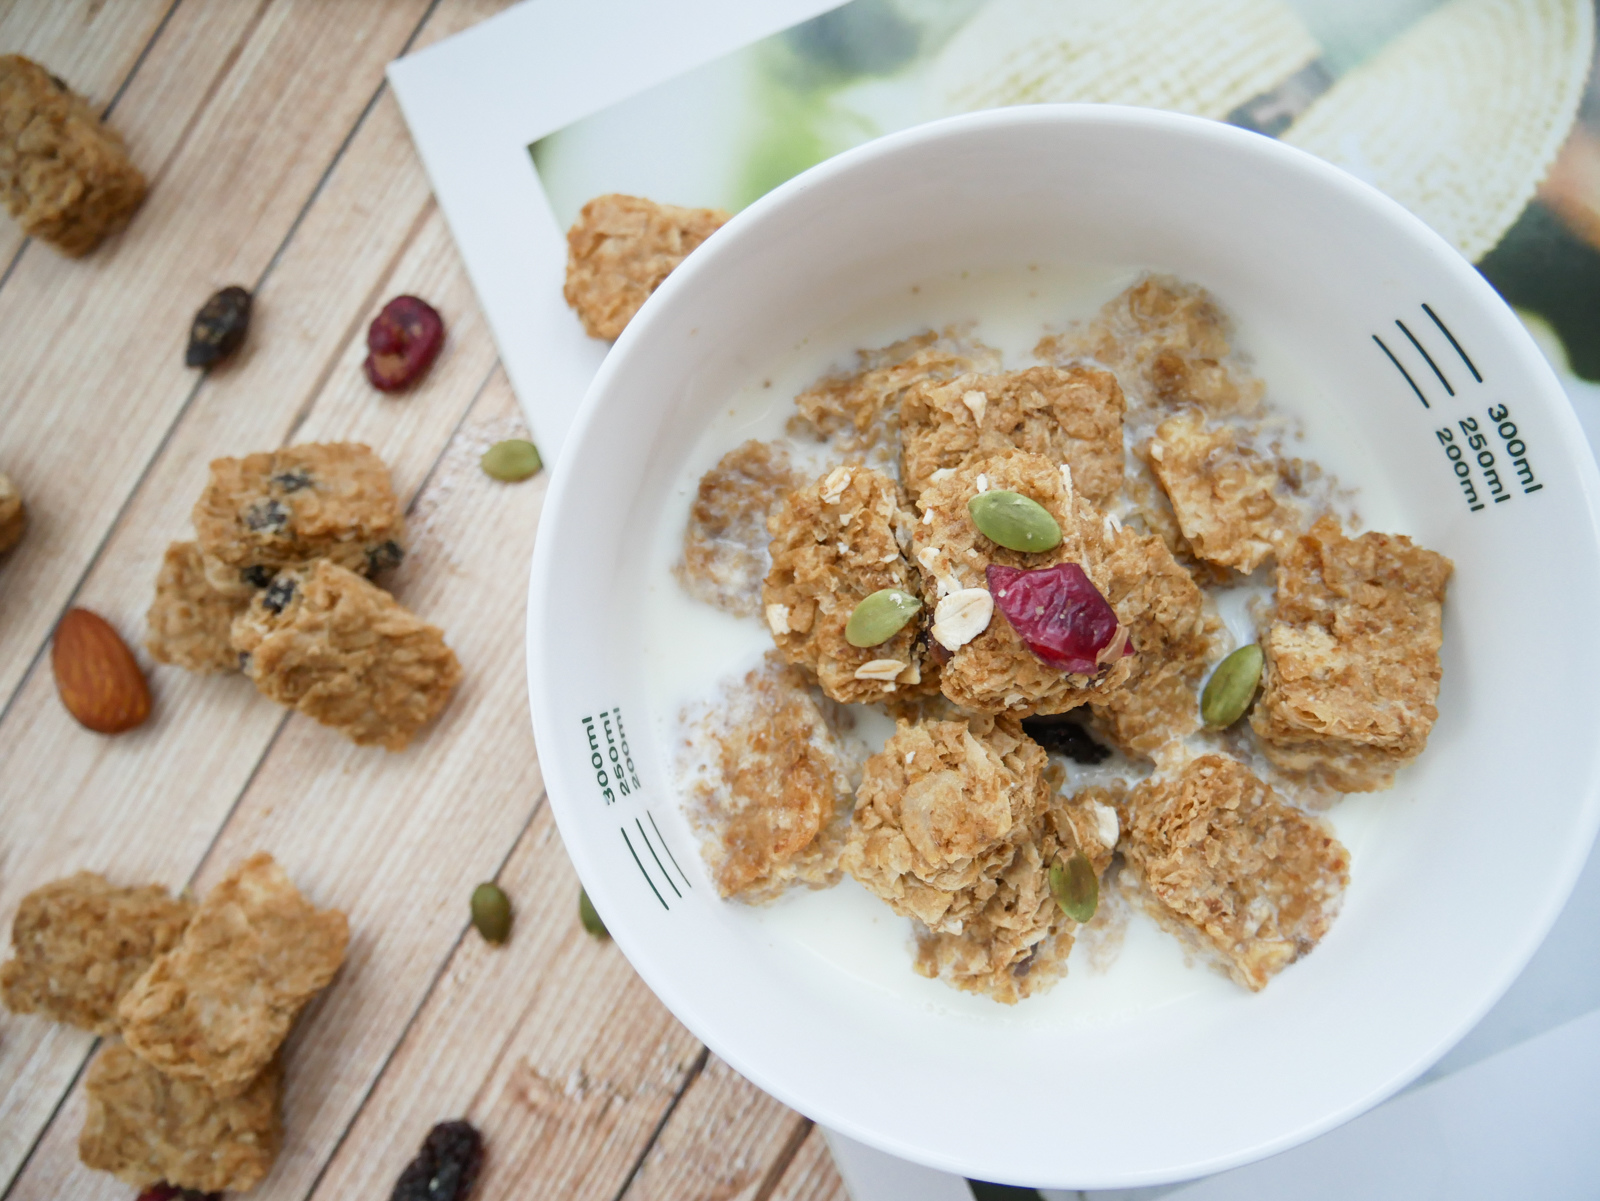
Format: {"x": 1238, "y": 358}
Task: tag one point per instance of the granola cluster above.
{"x": 1135, "y": 476}
{"x": 620, "y": 250}
{"x": 65, "y": 177}
{"x": 770, "y": 779}
{"x": 13, "y": 515}
{"x": 274, "y": 586}
{"x": 725, "y": 543}
{"x": 195, "y": 1000}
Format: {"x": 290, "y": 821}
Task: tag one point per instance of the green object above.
{"x": 512, "y": 460}
{"x": 880, "y": 617}
{"x": 1231, "y": 687}
{"x": 590, "y": 919}
{"x": 1074, "y": 887}
{"x": 491, "y": 912}
{"x": 1014, "y": 522}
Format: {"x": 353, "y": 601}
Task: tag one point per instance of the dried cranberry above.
{"x": 446, "y": 1168}
{"x": 1058, "y": 613}
{"x": 402, "y": 341}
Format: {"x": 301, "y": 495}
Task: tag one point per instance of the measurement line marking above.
{"x": 1445, "y": 330}
{"x": 666, "y": 847}
{"x": 1401, "y": 369}
{"x": 1424, "y": 353}
{"x": 652, "y": 849}
{"x": 642, "y": 872}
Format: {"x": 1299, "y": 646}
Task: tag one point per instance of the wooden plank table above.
{"x": 278, "y": 160}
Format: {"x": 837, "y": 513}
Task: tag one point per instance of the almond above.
{"x": 96, "y": 674}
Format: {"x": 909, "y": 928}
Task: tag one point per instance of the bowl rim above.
{"x": 1561, "y": 877}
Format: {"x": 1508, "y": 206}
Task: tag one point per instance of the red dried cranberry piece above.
{"x": 1059, "y": 614}
{"x": 402, "y": 341}
{"x": 171, "y": 1192}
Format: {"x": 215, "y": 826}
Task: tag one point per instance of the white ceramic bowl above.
{"x": 1476, "y": 847}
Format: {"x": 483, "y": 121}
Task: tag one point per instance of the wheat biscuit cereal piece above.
{"x": 995, "y": 671}
{"x": 145, "y": 1127}
{"x": 768, "y": 772}
{"x": 215, "y": 1008}
{"x": 64, "y": 176}
{"x": 1174, "y": 636}
{"x": 343, "y": 651}
{"x": 1352, "y": 656}
{"x": 725, "y": 555}
{"x": 286, "y": 509}
{"x": 189, "y": 621}
{"x": 1231, "y": 503}
{"x": 940, "y": 813}
{"x": 1168, "y": 342}
{"x": 834, "y": 543}
{"x": 79, "y": 943}
{"x": 620, "y": 249}
{"x": 858, "y": 413}
{"x": 1230, "y": 869}
{"x": 1017, "y": 943}
{"x": 13, "y": 515}
{"x": 1069, "y": 415}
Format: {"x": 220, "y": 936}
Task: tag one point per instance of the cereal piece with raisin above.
{"x": 1231, "y": 503}
{"x": 80, "y": 943}
{"x": 189, "y": 621}
{"x": 285, "y": 509}
{"x": 620, "y": 249}
{"x": 1352, "y": 657}
{"x": 834, "y": 543}
{"x": 1168, "y": 343}
{"x": 343, "y": 651}
{"x": 214, "y": 1010}
{"x": 725, "y": 543}
{"x": 859, "y": 412}
{"x": 1069, "y": 415}
{"x": 64, "y": 175}
{"x": 1232, "y": 870}
{"x": 994, "y": 671}
{"x": 767, "y": 772}
{"x": 146, "y": 1127}
{"x": 13, "y": 515}
{"x": 1017, "y": 943}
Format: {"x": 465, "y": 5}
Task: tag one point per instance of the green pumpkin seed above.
{"x": 491, "y": 912}
{"x": 590, "y": 919}
{"x": 1231, "y": 688}
{"x": 1014, "y": 521}
{"x": 512, "y": 460}
{"x": 1074, "y": 886}
{"x": 880, "y": 617}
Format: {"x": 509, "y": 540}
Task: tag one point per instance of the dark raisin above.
{"x": 446, "y": 1168}
{"x": 244, "y": 660}
{"x": 293, "y": 481}
{"x": 384, "y": 556}
{"x": 1058, "y": 613}
{"x": 219, "y": 328}
{"x": 258, "y": 576}
{"x": 171, "y": 1192}
{"x": 402, "y": 342}
{"x": 277, "y": 597}
{"x": 1065, "y": 735}
{"x": 268, "y": 516}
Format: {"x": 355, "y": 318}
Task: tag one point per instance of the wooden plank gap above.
{"x": 689, "y": 1078}
{"x": 127, "y": 79}
{"x": 212, "y": 88}
{"x": 781, "y": 1162}
{"x": 361, "y": 315}
{"x": 22, "y": 1164}
{"x": 422, "y": 1001}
